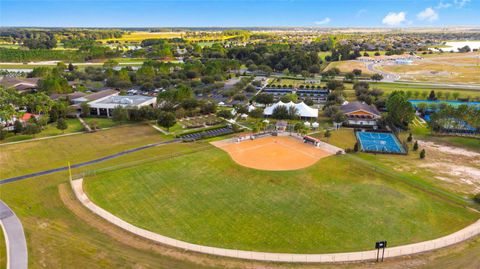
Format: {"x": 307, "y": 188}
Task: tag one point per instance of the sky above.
{"x": 240, "y": 13}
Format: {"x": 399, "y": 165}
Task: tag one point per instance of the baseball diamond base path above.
{"x": 17, "y": 255}
{"x": 272, "y": 153}
{"x": 459, "y": 236}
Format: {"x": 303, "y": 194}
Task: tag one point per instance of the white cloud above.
{"x": 443, "y": 5}
{"x": 428, "y": 15}
{"x": 324, "y": 21}
{"x": 393, "y": 18}
{"x": 460, "y": 3}
{"x": 361, "y": 12}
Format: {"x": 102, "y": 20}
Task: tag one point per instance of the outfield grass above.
{"x": 34, "y": 156}
{"x": 336, "y": 205}
{"x": 74, "y": 125}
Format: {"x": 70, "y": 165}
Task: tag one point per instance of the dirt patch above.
{"x": 273, "y": 153}
{"x": 448, "y": 149}
{"x": 453, "y": 165}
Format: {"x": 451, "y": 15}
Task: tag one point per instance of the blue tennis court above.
{"x": 379, "y": 142}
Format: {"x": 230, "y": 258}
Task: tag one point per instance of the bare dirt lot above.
{"x": 273, "y": 153}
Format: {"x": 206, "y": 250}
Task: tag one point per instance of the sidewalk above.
{"x": 17, "y": 254}
{"x": 464, "y": 234}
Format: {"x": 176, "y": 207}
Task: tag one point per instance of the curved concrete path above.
{"x": 468, "y": 232}
{"x": 17, "y": 255}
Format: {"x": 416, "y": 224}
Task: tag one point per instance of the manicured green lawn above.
{"x": 102, "y": 122}
{"x": 74, "y": 125}
{"x": 343, "y": 138}
{"x": 57, "y": 238}
{"x": 34, "y": 156}
{"x": 389, "y": 87}
{"x": 339, "y": 204}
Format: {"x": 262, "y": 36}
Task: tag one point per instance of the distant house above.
{"x": 104, "y": 106}
{"x": 67, "y": 96}
{"x": 360, "y": 114}
{"x": 303, "y": 110}
{"x": 22, "y": 85}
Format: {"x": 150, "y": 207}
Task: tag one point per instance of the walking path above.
{"x": 63, "y": 168}
{"x": 40, "y": 138}
{"x": 459, "y": 236}
{"x": 159, "y": 129}
{"x": 17, "y": 255}
{"x": 87, "y": 127}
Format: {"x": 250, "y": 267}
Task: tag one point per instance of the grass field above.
{"x": 343, "y": 138}
{"x": 389, "y": 87}
{"x": 137, "y": 37}
{"x": 348, "y": 66}
{"x": 33, "y": 156}
{"x": 60, "y": 236}
{"x": 103, "y": 122}
{"x": 336, "y": 205}
{"x": 435, "y": 72}
{"x": 74, "y": 125}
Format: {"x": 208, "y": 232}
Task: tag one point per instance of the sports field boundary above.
{"x": 448, "y": 240}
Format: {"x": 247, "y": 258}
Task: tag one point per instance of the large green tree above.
{"x": 166, "y": 120}
{"x": 400, "y": 111}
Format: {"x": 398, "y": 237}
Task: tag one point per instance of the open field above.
{"x": 444, "y": 67}
{"x": 389, "y": 87}
{"x": 342, "y": 138}
{"x": 435, "y": 72}
{"x": 33, "y": 156}
{"x": 348, "y": 66}
{"x": 137, "y": 37}
{"x": 266, "y": 204}
{"x": 102, "y": 122}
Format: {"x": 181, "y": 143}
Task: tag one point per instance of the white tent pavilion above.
{"x": 315, "y": 125}
{"x": 307, "y": 124}
{"x": 303, "y": 110}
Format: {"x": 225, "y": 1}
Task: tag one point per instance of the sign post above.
{"x": 380, "y": 245}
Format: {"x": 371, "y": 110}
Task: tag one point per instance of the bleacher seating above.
{"x": 206, "y": 134}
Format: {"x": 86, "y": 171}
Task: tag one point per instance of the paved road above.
{"x": 459, "y": 236}
{"x": 387, "y": 77}
{"x": 63, "y": 168}
{"x": 17, "y": 254}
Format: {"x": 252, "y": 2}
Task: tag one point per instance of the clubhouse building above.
{"x": 360, "y": 114}
{"x": 104, "y": 106}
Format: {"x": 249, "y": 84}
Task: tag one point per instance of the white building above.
{"x": 104, "y": 106}
{"x": 303, "y": 110}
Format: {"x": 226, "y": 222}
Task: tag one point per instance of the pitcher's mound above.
{"x": 274, "y": 153}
